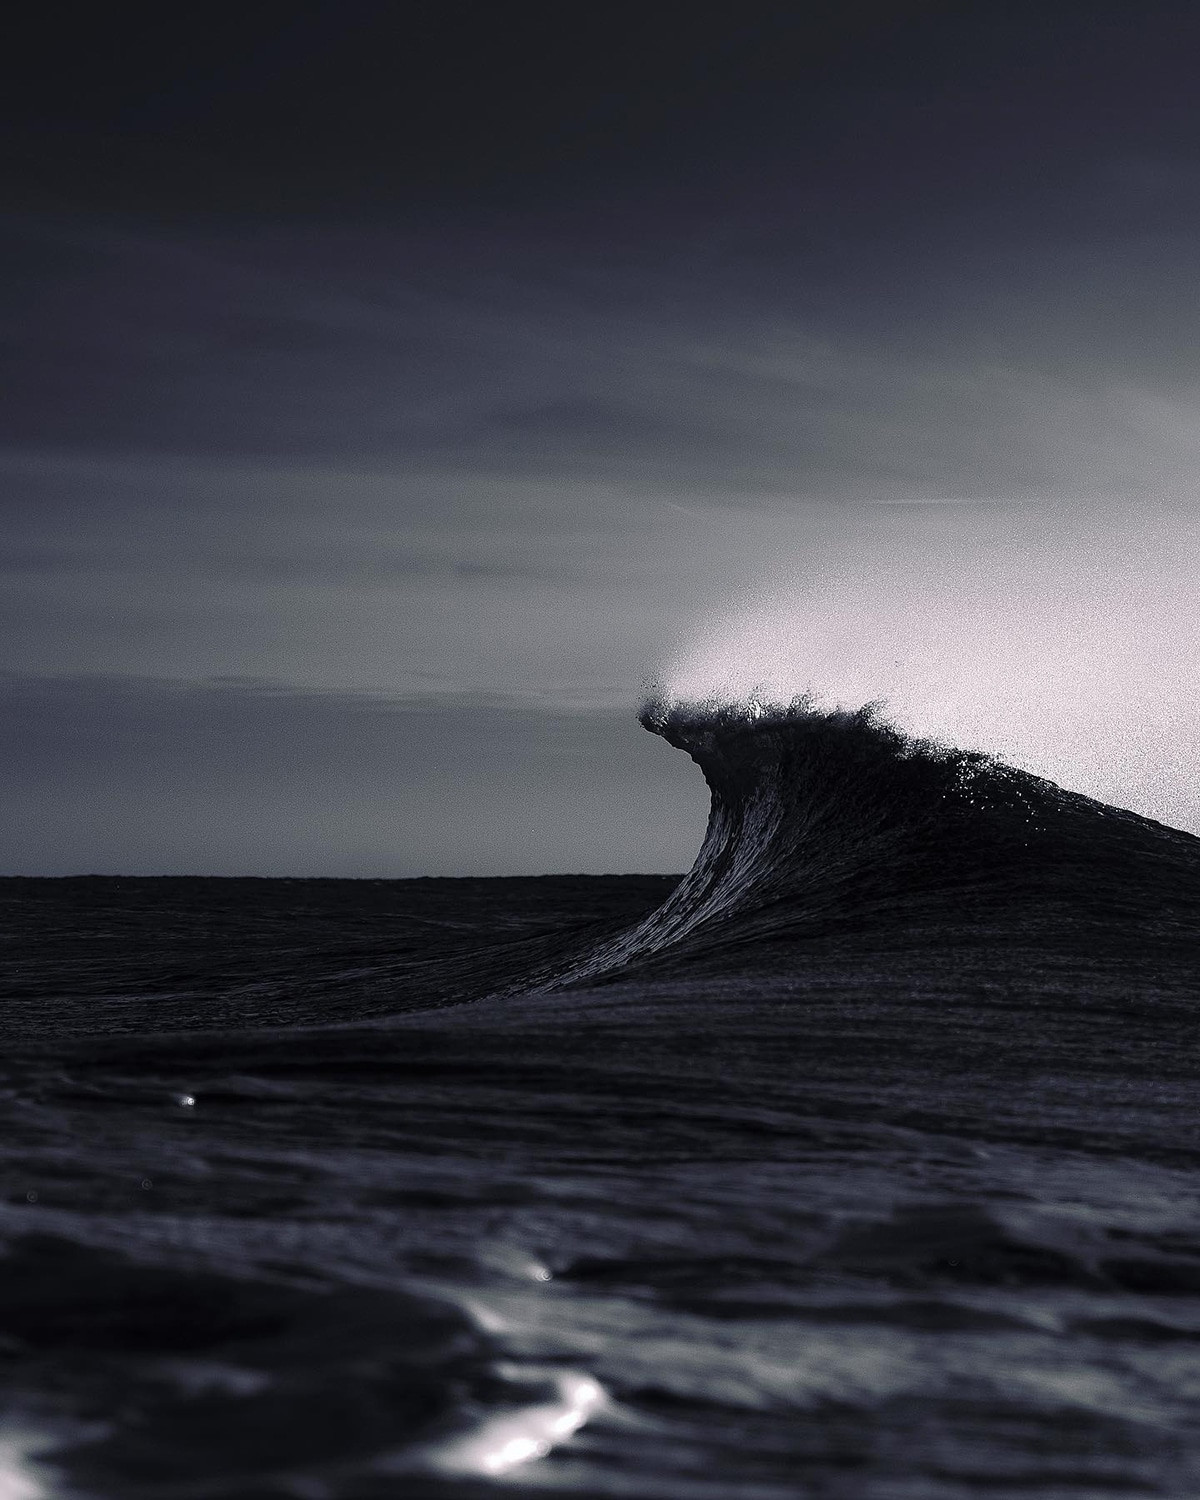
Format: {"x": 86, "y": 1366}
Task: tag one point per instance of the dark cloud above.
{"x": 979, "y": 375}
{"x": 868, "y": 112}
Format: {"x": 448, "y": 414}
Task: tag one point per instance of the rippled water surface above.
{"x": 662, "y": 1237}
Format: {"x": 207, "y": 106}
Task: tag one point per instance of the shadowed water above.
{"x": 862, "y": 1163}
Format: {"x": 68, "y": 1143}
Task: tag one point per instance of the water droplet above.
{"x": 146, "y": 1183}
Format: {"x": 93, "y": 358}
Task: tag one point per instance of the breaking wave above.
{"x": 826, "y": 819}
{"x": 823, "y": 825}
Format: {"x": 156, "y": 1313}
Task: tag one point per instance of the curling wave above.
{"x": 827, "y": 820}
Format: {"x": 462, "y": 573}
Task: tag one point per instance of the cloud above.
{"x": 389, "y": 352}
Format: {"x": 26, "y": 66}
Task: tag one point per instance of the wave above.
{"x": 836, "y": 820}
{"x": 823, "y": 824}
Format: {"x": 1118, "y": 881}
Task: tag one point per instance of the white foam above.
{"x": 506, "y": 1442}
{"x": 1095, "y": 690}
{"x": 20, "y": 1473}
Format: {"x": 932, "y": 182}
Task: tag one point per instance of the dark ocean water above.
{"x": 862, "y": 1163}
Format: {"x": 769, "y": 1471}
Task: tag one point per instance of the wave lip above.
{"x": 835, "y": 818}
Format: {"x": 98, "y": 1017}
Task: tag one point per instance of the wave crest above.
{"x": 833, "y": 818}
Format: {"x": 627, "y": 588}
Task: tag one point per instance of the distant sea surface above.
{"x": 861, "y": 1163}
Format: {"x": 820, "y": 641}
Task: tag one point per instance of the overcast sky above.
{"x": 393, "y": 391}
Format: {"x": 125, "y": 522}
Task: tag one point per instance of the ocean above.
{"x": 861, "y": 1162}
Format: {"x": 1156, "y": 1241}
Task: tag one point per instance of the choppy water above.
{"x": 868, "y": 1167}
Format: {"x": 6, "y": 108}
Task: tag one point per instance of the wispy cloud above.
{"x": 368, "y": 350}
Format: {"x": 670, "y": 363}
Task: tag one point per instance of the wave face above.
{"x": 833, "y": 820}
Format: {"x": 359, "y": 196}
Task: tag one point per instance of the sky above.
{"x": 396, "y": 393}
